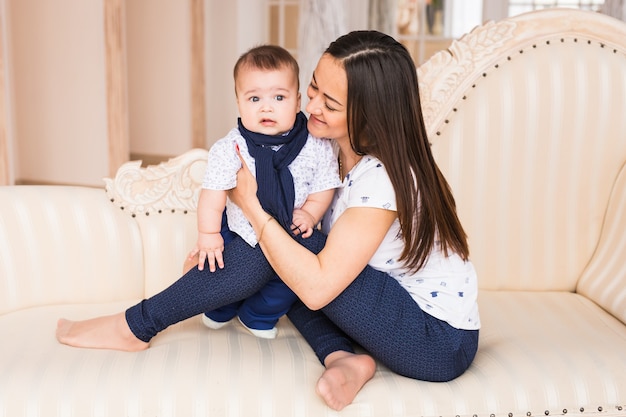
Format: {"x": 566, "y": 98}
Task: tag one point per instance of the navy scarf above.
{"x": 275, "y": 182}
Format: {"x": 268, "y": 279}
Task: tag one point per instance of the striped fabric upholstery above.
{"x": 604, "y": 280}
{"x": 165, "y": 246}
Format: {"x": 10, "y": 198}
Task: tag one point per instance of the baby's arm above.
{"x": 311, "y": 212}
{"x": 210, "y": 243}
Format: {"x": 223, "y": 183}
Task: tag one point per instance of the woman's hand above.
{"x": 244, "y": 194}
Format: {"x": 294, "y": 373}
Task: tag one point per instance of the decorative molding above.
{"x": 116, "y": 84}
{"x": 5, "y": 172}
{"x": 198, "y": 83}
{"x": 170, "y": 186}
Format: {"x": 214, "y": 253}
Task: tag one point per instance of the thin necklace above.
{"x": 341, "y": 171}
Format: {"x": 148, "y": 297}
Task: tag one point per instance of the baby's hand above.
{"x": 209, "y": 247}
{"x": 303, "y": 223}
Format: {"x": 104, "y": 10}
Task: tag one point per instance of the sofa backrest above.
{"x": 527, "y": 118}
{"x": 62, "y": 244}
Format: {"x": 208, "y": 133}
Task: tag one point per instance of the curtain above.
{"x": 322, "y": 21}
{"x": 615, "y": 8}
{"x": 382, "y": 15}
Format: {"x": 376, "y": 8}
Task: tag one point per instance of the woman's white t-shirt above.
{"x": 445, "y": 287}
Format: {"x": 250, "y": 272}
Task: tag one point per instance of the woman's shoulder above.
{"x": 370, "y": 167}
{"x": 369, "y": 183}
{"x": 371, "y": 162}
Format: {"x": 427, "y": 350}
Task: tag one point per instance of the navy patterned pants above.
{"x": 374, "y": 312}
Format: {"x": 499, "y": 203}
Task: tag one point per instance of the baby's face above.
{"x": 268, "y": 100}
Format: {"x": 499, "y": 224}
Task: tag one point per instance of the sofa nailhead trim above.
{"x": 508, "y": 58}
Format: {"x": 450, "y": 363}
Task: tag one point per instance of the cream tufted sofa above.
{"x": 528, "y": 121}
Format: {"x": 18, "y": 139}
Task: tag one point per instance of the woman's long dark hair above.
{"x": 385, "y": 120}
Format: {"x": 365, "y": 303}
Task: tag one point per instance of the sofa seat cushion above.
{"x": 546, "y": 352}
{"x": 574, "y": 361}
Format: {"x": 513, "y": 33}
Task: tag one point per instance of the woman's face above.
{"x": 328, "y": 92}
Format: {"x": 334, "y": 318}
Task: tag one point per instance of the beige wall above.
{"x": 158, "y": 37}
{"x": 159, "y": 77}
{"x": 233, "y": 27}
{"x": 57, "y": 84}
{"x": 57, "y": 81}
{"x": 159, "y": 88}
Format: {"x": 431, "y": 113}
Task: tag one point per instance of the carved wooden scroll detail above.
{"x": 170, "y": 186}
{"x": 442, "y": 77}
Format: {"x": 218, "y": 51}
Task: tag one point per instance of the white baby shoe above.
{"x": 262, "y": 334}
{"x": 212, "y": 324}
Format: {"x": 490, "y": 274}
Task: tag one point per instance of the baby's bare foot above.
{"x": 346, "y": 373}
{"x": 107, "y": 332}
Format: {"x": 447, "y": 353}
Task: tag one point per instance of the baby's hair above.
{"x": 267, "y": 57}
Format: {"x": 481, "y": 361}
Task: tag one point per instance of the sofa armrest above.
{"x": 62, "y": 244}
{"x": 163, "y": 200}
{"x": 604, "y": 279}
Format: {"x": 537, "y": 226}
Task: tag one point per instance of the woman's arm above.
{"x": 317, "y": 203}
{"x": 316, "y": 279}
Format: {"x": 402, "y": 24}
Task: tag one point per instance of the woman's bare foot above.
{"x": 346, "y": 373}
{"x": 107, "y": 332}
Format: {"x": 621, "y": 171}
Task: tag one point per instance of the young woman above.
{"x": 394, "y": 274}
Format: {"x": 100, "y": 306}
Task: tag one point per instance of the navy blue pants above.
{"x": 262, "y": 309}
{"x": 374, "y": 311}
